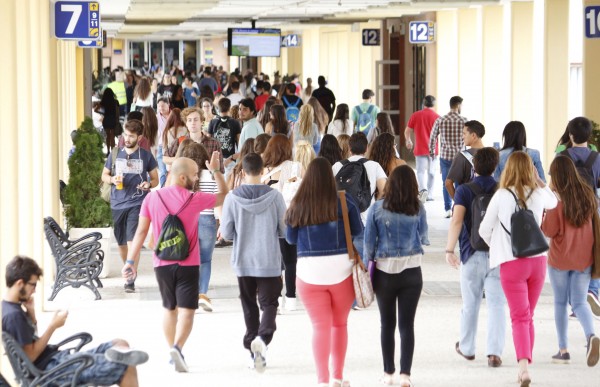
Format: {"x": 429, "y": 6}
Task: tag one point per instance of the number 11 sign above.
{"x": 421, "y": 32}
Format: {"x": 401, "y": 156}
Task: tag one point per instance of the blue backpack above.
{"x": 291, "y": 111}
{"x": 365, "y": 120}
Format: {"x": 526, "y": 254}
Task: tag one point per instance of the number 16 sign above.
{"x": 76, "y": 20}
{"x": 421, "y": 32}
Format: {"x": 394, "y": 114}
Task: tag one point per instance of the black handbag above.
{"x": 526, "y": 237}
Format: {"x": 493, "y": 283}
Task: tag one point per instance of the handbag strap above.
{"x": 351, "y": 249}
{"x": 267, "y": 177}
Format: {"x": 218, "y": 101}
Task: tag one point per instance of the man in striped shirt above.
{"x": 449, "y": 128}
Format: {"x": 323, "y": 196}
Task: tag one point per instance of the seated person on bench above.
{"x": 114, "y": 362}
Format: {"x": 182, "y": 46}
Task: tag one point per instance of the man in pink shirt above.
{"x": 177, "y": 280}
{"x": 421, "y": 122}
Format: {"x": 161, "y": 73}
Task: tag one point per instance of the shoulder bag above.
{"x": 106, "y": 187}
{"x": 596, "y": 248}
{"x": 363, "y": 288}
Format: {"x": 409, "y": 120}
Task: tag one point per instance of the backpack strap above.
{"x": 286, "y": 101}
{"x": 297, "y": 103}
{"x": 182, "y": 207}
{"x": 113, "y": 155}
{"x": 467, "y": 155}
{"x": 474, "y": 188}
{"x": 267, "y": 177}
{"x": 370, "y": 109}
{"x": 589, "y": 162}
{"x": 344, "y": 162}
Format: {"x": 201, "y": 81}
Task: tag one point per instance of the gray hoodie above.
{"x": 253, "y": 218}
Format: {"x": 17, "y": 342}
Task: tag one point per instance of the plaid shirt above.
{"x": 449, "y": 127}
{"x": 212, "y": 145}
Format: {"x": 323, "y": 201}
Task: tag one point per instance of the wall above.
{"x": 220, "y": 57}
{"x": 115, "y": 59}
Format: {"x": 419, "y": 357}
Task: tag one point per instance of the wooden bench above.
{"x": 78, "y": 263}
{"x": 27, "y": 374}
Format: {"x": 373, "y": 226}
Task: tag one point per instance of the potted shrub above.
{"x": 84, "y": 209}
{"x": 595, "y": 138}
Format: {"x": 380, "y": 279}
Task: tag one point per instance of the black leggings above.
{"x": 403, "y": 289}
{"x": 290, "y": 257}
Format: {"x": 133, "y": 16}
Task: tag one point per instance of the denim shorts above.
{"x": 103, "y": 372}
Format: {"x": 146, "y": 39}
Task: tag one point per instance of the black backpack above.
{"x": 172, "y": 243}
{"x": 526, "y": 237}
{"x": 353, "y": 178}
{"x": 584, "y": 168}
{"x": 479, "y": 207}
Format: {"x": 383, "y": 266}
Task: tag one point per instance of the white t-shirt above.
{"x": 235, "y": 98}
{"x": 336, "y": 128}
{"x": 374, "y": 171}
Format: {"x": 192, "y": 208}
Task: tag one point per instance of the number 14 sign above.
{"x": 76, "y": 20}
{"x": 421, "y": 32}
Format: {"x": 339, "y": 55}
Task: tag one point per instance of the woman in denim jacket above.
{"x": 395, "y": 231}
{"x": 323, "y": 272}
{"x": 515, "y": 139}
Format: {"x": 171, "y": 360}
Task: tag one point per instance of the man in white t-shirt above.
{"x": 377, "y": 177}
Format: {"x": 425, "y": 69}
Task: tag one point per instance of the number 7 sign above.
{"x": 76, "y": 20}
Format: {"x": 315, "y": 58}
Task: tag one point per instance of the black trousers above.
{"x": 268, "y": 290}
{"x": 403, "y": 290}
{"x": 289, "y": 253}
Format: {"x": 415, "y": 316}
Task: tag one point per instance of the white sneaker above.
{"x": 290, "y": 304}
{"x": 423, "y": 195}
{"x": 259, "y": 351}
{"x": 279, "y": 305}
{"x": 448, "y": 214}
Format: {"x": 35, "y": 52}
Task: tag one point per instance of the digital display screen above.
{"x": 254, "y": 42}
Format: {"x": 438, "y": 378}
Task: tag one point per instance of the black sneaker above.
{"x": 223, "y": 243}
{"x": 561, "y": 358}
{"x": 593, "y": 350}
{"x": 129, "y": 287}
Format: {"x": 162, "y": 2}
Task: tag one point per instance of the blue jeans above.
{"x": 426, "y": 168}
{"x": 207, "y": 235}
{"x": 594, "y": 285}
{"x": 445, "y": 167}
{"x": 475, "y": 276}
{"x": 570, "y": 286}
{"x": 162, "y": 167}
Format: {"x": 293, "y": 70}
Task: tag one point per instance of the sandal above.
{"x": 387, "y": 379}
{"x": 339, "y": 383}
{"x": 405, "y": 381}
{"x": 524, "y": 379}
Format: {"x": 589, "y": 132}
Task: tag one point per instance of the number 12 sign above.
{"x": 421, "y": 32}
{"x": 77, "y": 20}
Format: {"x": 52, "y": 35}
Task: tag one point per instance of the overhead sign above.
{"x": 371, "y": 37}
{"x": 90, "y": 43}
{"x": 592, "y": 22}
{"x": 77, "y": 20}
{"x": 421, "y": 32}
{"x": 292, "y": 40}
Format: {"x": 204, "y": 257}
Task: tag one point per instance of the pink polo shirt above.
{"x": 175, "y": 197}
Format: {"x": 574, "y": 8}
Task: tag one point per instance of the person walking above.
{"x": 515, "y": 139}
{"x": 395, "y": 232}
{"x": 571, "y": 255}
{"x": 256, "y": 258}
{"x": 522, "y": 278}
{"x": 476, "y": 276}
{"x": 323, "y": 272}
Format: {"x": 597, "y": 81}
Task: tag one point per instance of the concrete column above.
{"x": 496, "y": 72}
{"x": 556, "y": 75}
{"x": 522, "y": 66}
{"x": 591, "y": 75}
{"x": 447, "y": 59}
{"x": 470, "y": 51}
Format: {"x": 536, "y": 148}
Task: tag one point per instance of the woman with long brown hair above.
{"x": 324, "y": 279}
{"x": 175, "y": 132}
{"x": 321, "y": 117}
{"x": 571, "y": 254}
{"x": 278, "y": 123}
{"x": 383, "y": 124}
{"x": 142, "y": 94}
{"x": 522, "y": 278}
{"x": 279, "y": 169}
{"x": 264, "y": 114}
{"x": 150, "y": 122}
{"x": 330, "y": 149}
{"x": 383, "y": 151}
{"x": 344, "y": 141}
{"x": 395, "y": 232}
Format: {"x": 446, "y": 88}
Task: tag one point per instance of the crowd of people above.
{"x": 261, "y": 170}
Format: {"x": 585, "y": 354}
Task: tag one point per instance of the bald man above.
{"x": 177, "y": 279}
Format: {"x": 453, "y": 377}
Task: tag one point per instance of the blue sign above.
{"x": 90, "y": 43}
{"x": 371, "y": 37}
{"x": 77, "y": 20}
{"x": 290, "y": 41}
{"x": 421, "y": 32}
{"x": 592, "y": 22}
